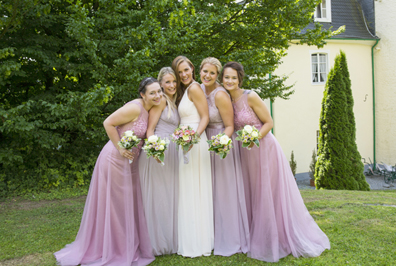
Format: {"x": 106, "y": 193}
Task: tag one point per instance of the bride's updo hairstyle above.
{"x": 171, "y": 102}
{"x": 180, "y": 88}
{"x": 239, "y": 69}
{"x": 212, "y": 61}
{"x": 143, "y": 85}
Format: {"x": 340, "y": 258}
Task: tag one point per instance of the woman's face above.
{"x": 168, "y": 83}
{"x": 185, "y": 73}
{"x": 209, "y": 74}
{"x": 230, "y": 79}
{"x": 153, "y": 94}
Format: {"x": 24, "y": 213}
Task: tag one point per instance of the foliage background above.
{"x": 65, "y": 65}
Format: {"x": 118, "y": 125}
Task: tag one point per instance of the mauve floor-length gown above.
{"x": 280, "y": 223}
{"x": 231, "y": 228}
{"x": 160, "y": 189}
{"x": 195, "y": 218}
{"x": 113, "y": 230}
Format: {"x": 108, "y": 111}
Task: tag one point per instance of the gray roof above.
{"x": 356, "y": 15}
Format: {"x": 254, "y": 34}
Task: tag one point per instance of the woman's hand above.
{"x": 127, "y": 154}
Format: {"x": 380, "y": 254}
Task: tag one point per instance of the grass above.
{"x": 361, "y": 230}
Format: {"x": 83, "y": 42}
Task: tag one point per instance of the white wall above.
{"x": 296, "y": 120}
{"x": 385, "y": 81}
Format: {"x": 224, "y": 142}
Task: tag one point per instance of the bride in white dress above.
{"x": 195, "y": 218}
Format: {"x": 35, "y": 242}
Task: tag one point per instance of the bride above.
{"x": 195, "y": 217}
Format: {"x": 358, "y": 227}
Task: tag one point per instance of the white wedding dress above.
{"x": 195, "y": 218}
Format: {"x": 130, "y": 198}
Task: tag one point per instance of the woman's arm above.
{"x": 154, "y": 116}
{"x": 197, "y": 96}
{"x": 125, "y": 114}
{"x": 262, "y": 113}
{"x": 224, "y": 105}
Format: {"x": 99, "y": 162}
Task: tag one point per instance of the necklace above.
{"x": 237, "y": 98}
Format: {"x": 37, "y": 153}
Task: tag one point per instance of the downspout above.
{"x": 372, "y": 70}
{"x": 273, "y": 124}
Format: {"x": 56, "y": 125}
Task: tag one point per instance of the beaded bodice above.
{"x": 139, "y": 126}
{"x": 244, "y": 114}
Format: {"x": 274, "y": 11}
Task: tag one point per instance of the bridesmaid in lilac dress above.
{"x": 113, "y": 228}
{"x": 231, "y": 228}
{"x": 160, "y": 184}
{"x": 280, "y": 223}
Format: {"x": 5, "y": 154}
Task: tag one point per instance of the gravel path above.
{"x": 376, "y": 182}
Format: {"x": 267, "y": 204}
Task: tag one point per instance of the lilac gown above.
{"x": 231, "y": 228}
{"x": 160, "y": 187}
{"x": 113, "y": 230}
{"x": 280, "y": 223}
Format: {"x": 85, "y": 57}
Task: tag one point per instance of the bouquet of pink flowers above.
{"x": 185, "y": 136}
{"x": 128, "y": 141}
{"x": 155, "y": 147}
{"x": 220, "y": 144}
{"x": 247, "y": 135}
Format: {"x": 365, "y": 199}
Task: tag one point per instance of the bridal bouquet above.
{"x": 247, "y": 135}
{"x": 185, "y": 136}
{"x": 220, "y": 144}
{"x": 128, "y": 141}
{"x": 155, "y": 147}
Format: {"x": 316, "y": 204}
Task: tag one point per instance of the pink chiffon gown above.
{"x": 113, "y": 230}
{"x": 280, "y": 223}
{"x": 231, "y": 228}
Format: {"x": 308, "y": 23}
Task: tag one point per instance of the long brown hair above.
{"x": 179, "y": 85}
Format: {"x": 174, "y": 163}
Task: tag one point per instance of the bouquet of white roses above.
{"x": 185, "y": 136}
{"x": 247, "y": 135}
{"x": 128, "y": 141}
{"x": 220, "y": 144}
{"x": 155, "y": 147}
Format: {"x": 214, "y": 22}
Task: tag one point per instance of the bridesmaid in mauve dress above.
{"x": 231, "y": 228}
{"x": 280, "y": 223}
{"x": 160, "y": 183}
{"x": 113, "y": 230}
{"x": 195, "y": 218}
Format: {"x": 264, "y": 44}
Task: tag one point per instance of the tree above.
{"x": 66, "y": 65}
{"x": 332, "y": 169}
{"x": 356, "y": 167}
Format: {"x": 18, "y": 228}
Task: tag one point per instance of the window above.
{"x": 319, "y": 67}
{"x": 323, "y": 11}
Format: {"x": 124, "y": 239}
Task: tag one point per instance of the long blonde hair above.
{"x": 170, "y": 102}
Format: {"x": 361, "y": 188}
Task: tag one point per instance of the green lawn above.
{"x": 361, "y": 229}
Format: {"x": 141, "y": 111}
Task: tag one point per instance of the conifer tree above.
{"x": 356, "y": 167}
{"x": 333, "y": 167}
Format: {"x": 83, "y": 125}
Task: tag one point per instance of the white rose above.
{"x": 248, "y": 129}
{"x": 128, "y": 133}
{"x": 152, "y": 139}
{"x": 254, "y": 134}
{"x": 134, "y": 137}
{"x": 185, "y": 138}
{"x": 161, "y": 147}
{"x": 162, "y": 142}
{"x": 224, "y": 140}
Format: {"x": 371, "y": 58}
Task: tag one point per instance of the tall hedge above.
{"x": 334, "y": 165}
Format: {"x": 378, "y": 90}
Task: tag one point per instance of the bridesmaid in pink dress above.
{"x": 231, "y": 228}
{"x": 280, "y": 223}
{"x": 113, "y": 228}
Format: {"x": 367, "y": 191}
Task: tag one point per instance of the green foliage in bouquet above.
{"x": 221, "y": 144}
{"x": 336, "y": 153}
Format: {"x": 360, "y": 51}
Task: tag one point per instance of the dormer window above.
{"x": 323, "y": 11}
